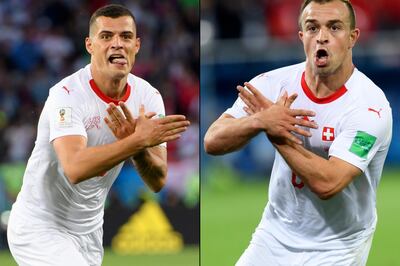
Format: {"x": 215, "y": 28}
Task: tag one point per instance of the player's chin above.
{"x": 119, "y": 69}
{"x": 323, "y": 70}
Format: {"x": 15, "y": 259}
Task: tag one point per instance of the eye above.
{"x": 105, "y": 36}
{"x": 312, "y": 28}
{"x": 126, "y": 37}
{"x": 335, "y": 28}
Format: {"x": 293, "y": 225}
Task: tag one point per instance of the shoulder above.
{"x": 70, "y": 87}
{"x": 141, "y": 86}
{"x": 365, "y": 92}
{"x": 271, "y": 83}
{"x": 282, "y": 73}
{"x": 280, "y": 77}
{"x": 370, "y": 111}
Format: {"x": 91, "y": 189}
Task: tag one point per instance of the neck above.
{"x": 325, "y": 85}
{"x": 112, "y": 87}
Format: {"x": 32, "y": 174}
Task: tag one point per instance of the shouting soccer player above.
{"x": 58, "y": 216}
{"x": 322, "y": 192}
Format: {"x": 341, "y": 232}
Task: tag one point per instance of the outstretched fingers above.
{"x": 248, "y": 110}
{"x": 301, "y": 112}
{"x": 150, "y": 114}
{"x": 115, "y": 115}
{"x": 109, "y": 124}
{"x": 300, "y": 131}
{"x": 126, "y": 111}
{"x": 290, "y": 100}
{"x": 141, "y": 110}
{"x": 247, "y": 97}
{"x": 258, "y": 95}
{"x": 305, "y": 123}
{"x": 292, "y": 137}
{"x": 282, "y": 99}
{"x": 172, "y": 118}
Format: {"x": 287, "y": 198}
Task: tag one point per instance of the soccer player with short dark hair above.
{"x": 331, "y": 127}
{"x": 92, "y": 121}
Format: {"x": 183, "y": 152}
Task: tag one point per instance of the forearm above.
{"x": 151, "y": 163}
{"x": 324, "y": 177}
{"x": 81, "y": 163}
{"x": 229, "y": 134}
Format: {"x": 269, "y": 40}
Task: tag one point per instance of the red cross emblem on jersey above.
{"x": 328, "y": 134}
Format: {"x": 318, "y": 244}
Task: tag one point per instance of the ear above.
{"x": 301, "y": 34}
{"x": 88, "y": 45}
{"x": 137, "y": 46}
{"x": 354, "y": 35}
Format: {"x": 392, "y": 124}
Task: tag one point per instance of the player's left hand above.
{"x": 121, "y": 125}
{"x": 254, "y": 100}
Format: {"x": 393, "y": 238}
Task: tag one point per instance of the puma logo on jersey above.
{"x": 375, "y": 111}
{"x": 66, "y": 89}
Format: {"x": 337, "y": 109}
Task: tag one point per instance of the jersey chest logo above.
{"x": 92, "y": 122}
{"x": 328, "y": 134}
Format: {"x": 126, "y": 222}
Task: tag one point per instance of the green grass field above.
{"x": 230, "y": 215}
{"x": 188, "y": 257}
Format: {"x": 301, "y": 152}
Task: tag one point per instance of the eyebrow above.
{"x": 330, "y": 22}
{"x": 110, "y": 32}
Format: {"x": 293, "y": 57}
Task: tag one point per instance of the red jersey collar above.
{"x": 107, "y": 99}
{"x": 342, "y": 90}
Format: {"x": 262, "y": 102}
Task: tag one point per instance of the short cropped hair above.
{"x": 111, "y": 11}
{"x": 346, "y": 2}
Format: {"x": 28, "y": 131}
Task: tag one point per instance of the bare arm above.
{"x": 81, "y": 162}
{"x": 151, "y": 163}
{"x": 324, "y": 177}
{"x": 228, "y": 134}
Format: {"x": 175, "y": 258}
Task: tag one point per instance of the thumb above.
{"x": 290, "y": 100}
{"x": 150, "y": 114}
{"x": 141, "y": 110}
{"x": 282, "y": 99}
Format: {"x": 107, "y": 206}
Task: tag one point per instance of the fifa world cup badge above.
{"x": 64, "y": 117}
{"x": 62, "y": 113}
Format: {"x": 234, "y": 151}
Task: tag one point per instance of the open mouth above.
{"x": 321, "y": 57}
{"x": 117, "y": 59}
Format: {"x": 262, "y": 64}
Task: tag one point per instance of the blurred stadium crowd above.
{"x": 241, "y": 39}
{"x": 278, "y": 18}
{"x": 41, "y": 42}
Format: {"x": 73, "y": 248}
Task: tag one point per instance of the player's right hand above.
{"x": 276, "y": 119}
{"x": 121, "y": 125}
{"x": 153, "y": 132}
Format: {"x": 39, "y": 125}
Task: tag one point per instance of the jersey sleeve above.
{"x": 364, "y": 133}
{"x": 154, "y": 103}
{"x": 65, "y": 115}
{"x": 265, "y": 85}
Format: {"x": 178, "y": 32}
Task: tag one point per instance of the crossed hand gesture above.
{"x": 152, "y": 131}
{"x": 276, "y": 119}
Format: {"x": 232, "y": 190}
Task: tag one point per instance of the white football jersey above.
{"x": 355, "y": 125}
{"x": 75, "y": 106}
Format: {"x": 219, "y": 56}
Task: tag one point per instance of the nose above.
{"x": 322, "y": 36}
{"x": 116, "y": 44}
